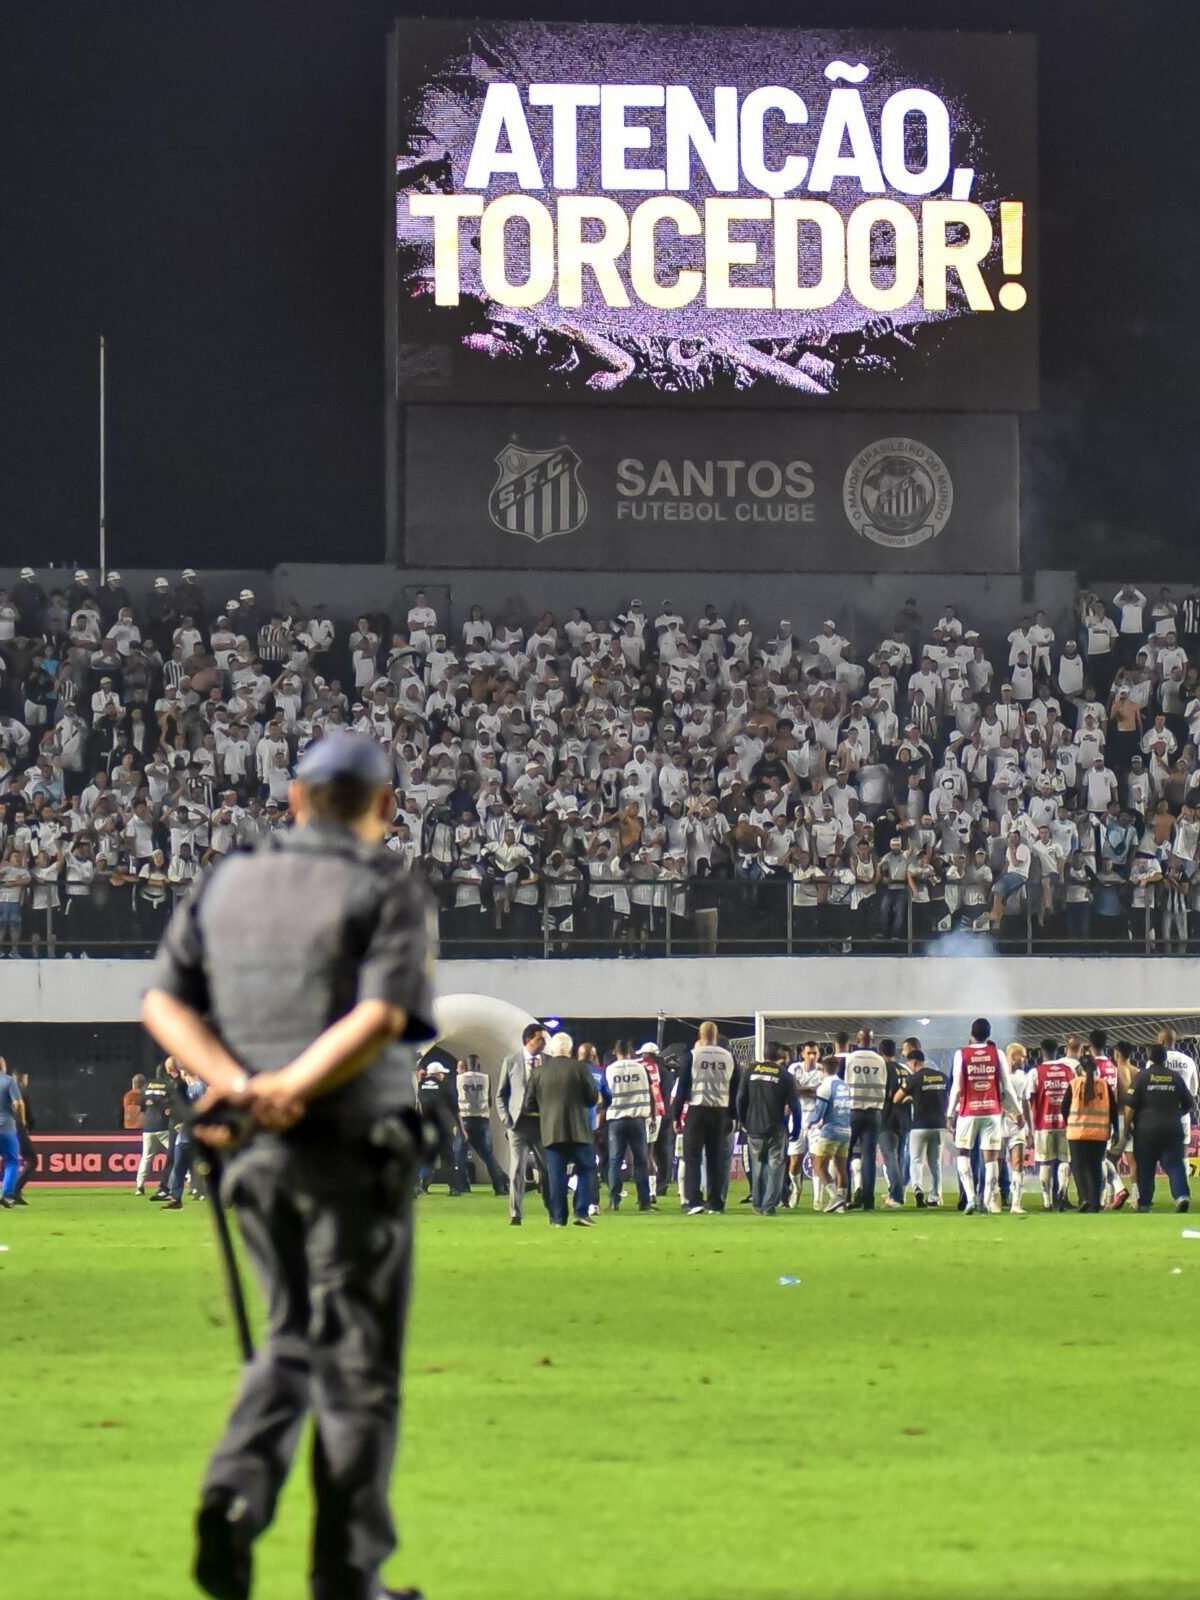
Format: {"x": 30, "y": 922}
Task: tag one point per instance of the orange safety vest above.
{"x": 1089, "y": 1119}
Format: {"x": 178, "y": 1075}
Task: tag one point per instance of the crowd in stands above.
{"x": 583, "y": 782}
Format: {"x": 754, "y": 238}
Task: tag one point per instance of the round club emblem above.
{"x": 898, "y": 492}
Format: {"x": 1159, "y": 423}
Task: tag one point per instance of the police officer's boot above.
{"x": 224, "y": 1535}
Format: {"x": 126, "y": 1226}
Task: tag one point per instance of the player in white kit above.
{"x": 1045, "y": 1087}
{"x": 808, "y": 1078}
{"x": 1182, "y": 1065}
{"x": 1016, "y": 1128}
{"x": 1115, "y": 1192}
{"x": 980, "y": 1095}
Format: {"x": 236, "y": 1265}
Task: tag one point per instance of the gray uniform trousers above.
{"x": 329, "y": 1230}
{"x": 524, "y": 1142}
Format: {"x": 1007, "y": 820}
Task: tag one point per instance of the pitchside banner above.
{"x": 714, "y": 491}
{"x": 105, "y": 1160}
{"x": 596, "y": 213}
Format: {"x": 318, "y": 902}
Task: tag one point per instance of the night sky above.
{"x": 205, "y": 185}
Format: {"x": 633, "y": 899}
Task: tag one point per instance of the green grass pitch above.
{"x": 642, "y": 1409}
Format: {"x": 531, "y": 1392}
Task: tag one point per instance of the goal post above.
{"x": 942, "y": 1031}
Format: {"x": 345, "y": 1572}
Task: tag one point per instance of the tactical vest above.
{"x": 712, "y": 1074}
{"x": 629, "y": 1085}
{"x": 472, "y": 1094}
{"x": 866, "y": 1079}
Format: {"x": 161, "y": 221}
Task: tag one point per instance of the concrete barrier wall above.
{"x": 110, "y": 991}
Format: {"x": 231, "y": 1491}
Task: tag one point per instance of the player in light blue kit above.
{"x": 829, "y": 1133}
{"x": 11, "y": 1108}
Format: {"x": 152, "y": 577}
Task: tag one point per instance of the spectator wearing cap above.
{"x": 123, "y": 631}
{"x": 161, "y": 615}
{"x": 30, "y": 600}
{"x": 190, "y": 598}
{"x": 668, "y": 620}
{"x": 113, "y": 597}
{"x": 829, "y": 643}
{"x": 105, "y": 698}
{"x": 80, "y": 591}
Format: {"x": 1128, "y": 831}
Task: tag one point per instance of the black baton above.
{"x": 210, "y": 1167}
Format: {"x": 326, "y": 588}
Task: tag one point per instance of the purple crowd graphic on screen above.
{"x": 643, "y": 212}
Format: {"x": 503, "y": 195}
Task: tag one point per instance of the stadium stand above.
{"x": 642, "y": 782}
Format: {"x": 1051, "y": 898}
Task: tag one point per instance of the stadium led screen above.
{"x": 601, "y": 213}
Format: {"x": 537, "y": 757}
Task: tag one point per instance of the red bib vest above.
{"x": 980, "y": 1094}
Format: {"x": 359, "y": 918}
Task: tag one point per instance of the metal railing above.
{"x": 712, "y": 917}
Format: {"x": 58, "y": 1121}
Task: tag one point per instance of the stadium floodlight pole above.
{"x": 103, "y": 459}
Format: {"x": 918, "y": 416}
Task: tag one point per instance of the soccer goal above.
{"x": 943, "y": 1031}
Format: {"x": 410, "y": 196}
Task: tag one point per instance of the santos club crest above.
{"x": 898, "y": 492}
{"x": 538, "y": 493}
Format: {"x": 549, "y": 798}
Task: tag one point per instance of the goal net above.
{"x": 943, "y": 1031}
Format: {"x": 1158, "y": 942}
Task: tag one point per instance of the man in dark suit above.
{"x": 519, "y": 1121}
{"x": 563, "y": 1091}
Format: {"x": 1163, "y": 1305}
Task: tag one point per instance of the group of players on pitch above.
{"x": 1074, "y": 1114}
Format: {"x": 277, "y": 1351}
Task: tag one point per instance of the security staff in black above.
{"x": 895, "y": 1125}
{"x": 288, "y": 982}
{"x": 436, "y": 1099}
{"x": 156, "y": 1132}
{"x": 766, "y": 1099}
{"x": 1157, "y": 1101}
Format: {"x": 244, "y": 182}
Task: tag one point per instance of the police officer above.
{"x": 1157, "y": 1101}
{"x": 286, "y": 982}
{"x": 766, "y": 1099}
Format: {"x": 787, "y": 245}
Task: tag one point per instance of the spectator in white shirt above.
{"x": 1101, "y": 636}
{"x": 1017, "y": 862}
{"x": 1069, "y": 676}
{"x": 1163, "y": 612}
{"x": 1041, "y": 638}
{"x": 1130, "y": 603}
{"x": 829, "y": 642}
{"x": 421, "y": 615}
{"x": 104, "y": 697}
{"x": 1022, "y": 678}
{"x": 1100, "y": 787}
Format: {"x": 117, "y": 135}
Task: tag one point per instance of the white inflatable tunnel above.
{"x": 481, "y": 1025}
